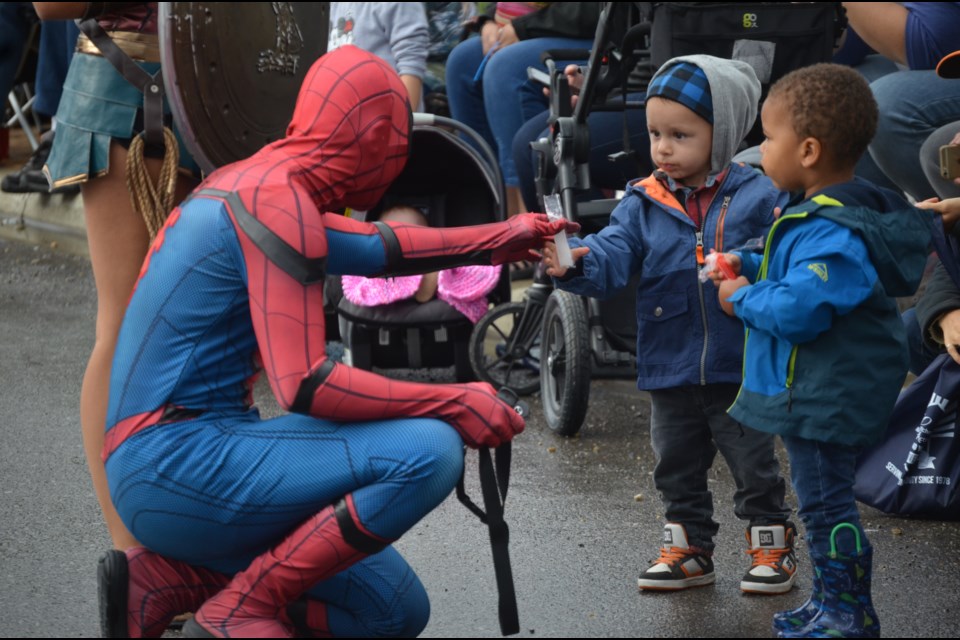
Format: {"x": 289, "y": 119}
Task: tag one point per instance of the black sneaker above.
{"x": 774, "y": 567}
{"x": 678, "y": 567}
{"x": 30, "y": 178}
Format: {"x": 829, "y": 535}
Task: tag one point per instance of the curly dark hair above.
{"x": 832, "y": 103}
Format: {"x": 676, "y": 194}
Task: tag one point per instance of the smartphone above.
{"x": 950, "y": 161}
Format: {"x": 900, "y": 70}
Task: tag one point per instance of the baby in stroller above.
{"x": 390, "y": 329}
{"x": 463, "y": 288}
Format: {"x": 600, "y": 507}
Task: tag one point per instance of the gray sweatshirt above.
{"x": 395, "y": 31}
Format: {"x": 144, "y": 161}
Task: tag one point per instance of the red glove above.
{"x": 484, "y": 419}
{"x": 526, "y": 231}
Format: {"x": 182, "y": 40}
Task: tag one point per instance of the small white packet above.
{"x": 554, "y": 211}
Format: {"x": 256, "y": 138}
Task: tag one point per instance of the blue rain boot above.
{"x": 802, "y": 615}
{"x": 847, "y": 610}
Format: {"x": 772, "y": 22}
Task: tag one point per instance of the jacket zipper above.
{"x": 700, "y": 262}
{"x": 791, "y": 368}
{"x": 703, "y": 308}
{"x": 718, "y": 240}
{"x": 762, "y": 275}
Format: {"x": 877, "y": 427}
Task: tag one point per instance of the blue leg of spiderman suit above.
{"x": 283, "y": 523}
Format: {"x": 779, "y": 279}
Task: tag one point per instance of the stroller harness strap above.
{"x": 494, "y": 482}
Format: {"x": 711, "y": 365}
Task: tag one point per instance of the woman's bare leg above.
{"x": 118, "y": 241}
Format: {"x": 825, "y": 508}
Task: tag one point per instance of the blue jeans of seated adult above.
{"x": 688, "y": 425}
{"x": 497, "y": 104}
{"x": 913, "y": 104}
{"x": 823, "y": 477}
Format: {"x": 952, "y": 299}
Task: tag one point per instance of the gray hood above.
{"x": 735, "y": 90}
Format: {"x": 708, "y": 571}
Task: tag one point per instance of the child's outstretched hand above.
{"x": 727, "y": 289}
{"x": 722, "y": 266}
{"x": 552, "y": 263}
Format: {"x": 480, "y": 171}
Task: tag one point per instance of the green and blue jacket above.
{"x": 826, "y": 354}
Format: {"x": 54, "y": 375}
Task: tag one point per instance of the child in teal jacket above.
{"x": 825, "y": 353}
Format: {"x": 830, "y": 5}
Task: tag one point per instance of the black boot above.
{"x": 30, "y": 178}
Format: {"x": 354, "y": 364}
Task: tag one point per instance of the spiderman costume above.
{"x": 283, "y": 523}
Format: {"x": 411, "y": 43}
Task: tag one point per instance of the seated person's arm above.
{"x": 939, "y": 308}
{"x": 882, "y": 25}
{"x": 406, "y": 23}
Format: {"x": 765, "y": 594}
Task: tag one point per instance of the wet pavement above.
{"x": 583, "y": 512}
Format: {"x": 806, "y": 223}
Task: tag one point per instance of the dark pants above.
{"x": 58, "y": 39}
{"x": 688, "y": 425}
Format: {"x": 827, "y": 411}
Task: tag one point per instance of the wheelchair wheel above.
{"x": 565, "y": 363}
{"x": 505, "y": 346}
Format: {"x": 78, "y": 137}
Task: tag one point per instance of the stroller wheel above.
{"x": 505, "y": 347}
{"x": 565, "y": 363}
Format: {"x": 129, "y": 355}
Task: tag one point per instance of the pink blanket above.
{"x": 463, "y": 288}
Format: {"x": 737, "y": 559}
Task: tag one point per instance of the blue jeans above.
{"x": 688, "y": 425}
{"x": 823, "y": 477}
{"x": 913, "y": 104}
{"x": 499, "y": 103}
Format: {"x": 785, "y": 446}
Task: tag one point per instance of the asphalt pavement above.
{"x": 583, "y": 512}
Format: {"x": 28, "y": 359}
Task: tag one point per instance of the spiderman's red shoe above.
{"x": 140, "y": 592}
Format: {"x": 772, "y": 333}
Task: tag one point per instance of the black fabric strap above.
{"x": 302, "y": 269}
{"x": 390, "y": 243}
{"x": 494, "y": 482}
{"x": 301, "y": 404}
{"x": 150, "y": 85}
{"x": 352, "y": 534}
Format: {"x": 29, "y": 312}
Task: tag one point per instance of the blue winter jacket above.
{"x": 826, "y": 354}
{"x": 683, "y": 336}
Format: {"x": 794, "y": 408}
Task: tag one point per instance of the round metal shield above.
{"x": 232, "y": 71}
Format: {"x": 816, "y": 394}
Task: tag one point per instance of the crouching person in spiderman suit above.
{"x": 267, "y": 528}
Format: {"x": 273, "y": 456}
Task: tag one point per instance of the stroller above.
{"x": 452, "y": 184}
{"x": 571, "y": 338}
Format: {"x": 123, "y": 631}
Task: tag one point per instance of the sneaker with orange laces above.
{"x": 774, "y": 566}
{"x": 679, "y": 566}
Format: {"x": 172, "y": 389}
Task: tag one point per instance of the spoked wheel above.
{"x": 505, "y": 347}
{"x": 565, "y": 363}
